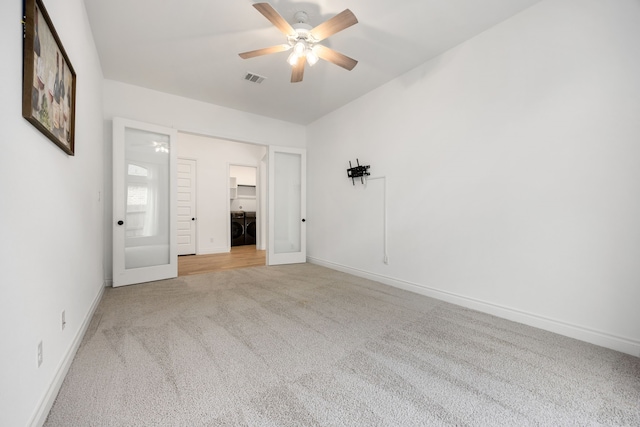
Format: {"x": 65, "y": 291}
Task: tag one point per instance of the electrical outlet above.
{"x": 64, "y": 320}
{"x": 39, "y": 354}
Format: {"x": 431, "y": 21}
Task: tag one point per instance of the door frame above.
{"x": 258, "y": 188}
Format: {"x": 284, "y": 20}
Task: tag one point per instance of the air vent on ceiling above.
{"x": 254, "y": 78}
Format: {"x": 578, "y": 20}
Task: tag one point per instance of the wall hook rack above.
{"x": 357, "y": 172}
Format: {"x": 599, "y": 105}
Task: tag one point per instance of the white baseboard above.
{"x": 212, "y": 250}
{"x": 622, "y": 344}
{"x": 46, "y": 403}
{"x": 108, "y": 283}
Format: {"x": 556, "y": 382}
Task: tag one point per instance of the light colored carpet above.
{"x": 302, "y": 345}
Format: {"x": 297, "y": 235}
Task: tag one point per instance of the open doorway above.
{"x": 243, "y": 205}
{"x": 216, "y": 197}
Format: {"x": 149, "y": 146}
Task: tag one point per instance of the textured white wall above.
{"x": 197, "y": 117}
{"x": 51, "y": 220}
{"x": 190, "y": 116}
{"x": 512, "y": 169}
{"x": 213, "y": 157}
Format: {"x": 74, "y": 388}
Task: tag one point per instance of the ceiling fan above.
{"x": 304, "y": 40}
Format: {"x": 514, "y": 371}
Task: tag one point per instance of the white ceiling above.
{"x": 190, "y": 47}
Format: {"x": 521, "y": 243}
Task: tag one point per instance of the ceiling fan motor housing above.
{"x": 301, "y": 17}
{"x": 303, "y": 32}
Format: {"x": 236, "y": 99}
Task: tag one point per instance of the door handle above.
{"x": 193, "y": 219}
{"x": 120, "y": 222}
{"x": 304, "y": 220}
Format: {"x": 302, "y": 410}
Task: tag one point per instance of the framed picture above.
{"x": 48, "y": 81}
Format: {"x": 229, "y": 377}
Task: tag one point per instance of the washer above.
{"x": 250, "y": 228}
{"x": 237, "y": 228}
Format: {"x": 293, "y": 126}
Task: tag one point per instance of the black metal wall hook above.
{"x": 357, "y": 171}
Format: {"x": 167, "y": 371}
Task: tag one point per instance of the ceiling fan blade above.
{"x": 334, "y": 57}
{"x": 264, "y": 51}
{"x": 298, "y": 70}
{"x": 276, "y": 19}
{"x": 343, "y": 20}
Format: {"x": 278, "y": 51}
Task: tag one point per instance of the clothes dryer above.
{"x": 250, "y": 228}
{"x": 237, "y": 228}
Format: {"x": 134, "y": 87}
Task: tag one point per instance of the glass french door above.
{"x": 287, "y": 206}
{"x": 144, "y": 197}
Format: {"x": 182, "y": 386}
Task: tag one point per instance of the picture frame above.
{"x": 48, "y": 80}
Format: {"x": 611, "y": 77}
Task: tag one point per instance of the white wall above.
{"x": 245, "y": 175}
{"x": 512, "y": 169}
{"x": 213, "y": 157}
{"x": 186, "y": 115}
{"x": 51, "y": 221}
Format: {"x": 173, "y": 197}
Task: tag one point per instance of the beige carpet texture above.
{"x": 303, "y": 345}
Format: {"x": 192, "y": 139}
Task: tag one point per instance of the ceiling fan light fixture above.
{"x": 312, "y": 58}
{"x": 293, "y": 58}
{"x": 299, "y": 48}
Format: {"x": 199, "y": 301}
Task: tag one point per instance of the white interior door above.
{"x": 186, "y": 210}
{"x": 144, "y": 196}
{"x": 287, "y": 206}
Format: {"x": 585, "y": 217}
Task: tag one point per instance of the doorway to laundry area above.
{"x": 237, "y": 257}
{"x": 216, "y": 195}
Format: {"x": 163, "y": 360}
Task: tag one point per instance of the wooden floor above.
{"x": 239, "y": 257}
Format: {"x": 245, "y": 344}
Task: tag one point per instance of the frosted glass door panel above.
{"x": 287, "y": 203}
{"x": 147, "y": 198}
